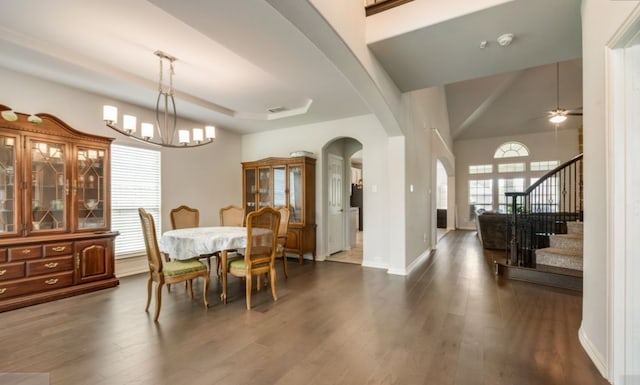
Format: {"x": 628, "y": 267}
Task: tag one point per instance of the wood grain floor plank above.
{"x": 452, "y": 321}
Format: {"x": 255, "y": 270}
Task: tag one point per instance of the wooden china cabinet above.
{"x": 55, "y": 238}
{"x": 287, "y": 182}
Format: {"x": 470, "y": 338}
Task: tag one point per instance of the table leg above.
{"x": 223, "y": 262}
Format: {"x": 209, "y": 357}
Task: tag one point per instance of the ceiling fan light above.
{"x": 557, "y": 118}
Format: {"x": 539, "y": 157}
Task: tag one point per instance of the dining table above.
{"x": 192, "y": 242}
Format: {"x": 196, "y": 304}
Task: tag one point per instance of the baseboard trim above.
{"x": 422, "y": 258}
{"x": 374, "y": 265}
{"x": 593, "y": 353}
{"x": 538, "y": 276}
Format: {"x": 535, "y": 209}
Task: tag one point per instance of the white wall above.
{"x": 376, "y": 174}
{"x": 543, "y": 146}
{"x": 347, "y": 19}
{"x": 215, "y": 182}
{"x": 600, "y": 20}
{"x": 425, "y": 110}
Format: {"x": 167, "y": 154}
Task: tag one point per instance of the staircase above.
{"x": 564, "y": 251}
{"x": 545, "y": 229}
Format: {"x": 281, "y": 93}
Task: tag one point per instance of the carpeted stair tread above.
{"x": 565, "y": 258}
{"x": 566, "y": 241}
{"x": 566, "y": 252}
{"x": 575, "y": 227}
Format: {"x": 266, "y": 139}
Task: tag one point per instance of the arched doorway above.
{"x": 441, "y": 199}
{"x": 344, "y": 200}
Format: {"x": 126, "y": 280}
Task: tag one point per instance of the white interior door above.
{"x": 335, "y": 204}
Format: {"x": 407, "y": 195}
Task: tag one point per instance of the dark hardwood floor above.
{"x": 451, "y": 322}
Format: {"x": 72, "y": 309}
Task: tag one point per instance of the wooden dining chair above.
{"x": 283, "y": 230}
{"x": 232, "y": 216}
{"x": 260, "y": 253}
{"x": 185, "y": 217}
{"x": 170, "y": 272}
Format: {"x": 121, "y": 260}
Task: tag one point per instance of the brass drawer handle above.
{"x": 51, "y": 265}
{"x": 2, "y": 290}
{"x": 26, "y": 251}
{"x": 51, "y": 281}
{"x": 59, "y": 248}
{"x": 2, "y": 272}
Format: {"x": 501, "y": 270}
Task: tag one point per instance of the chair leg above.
{"x": 158, "y": 301}
{"x": 205, "y": 290}
{"x": 258, "y": 282}
{"x": 190, "y": 288}
{"x": 149, "y": 284}
{"x": 273, "y": 284}
{"x": 248, "y": 280}
{"x": 284, "y": 262}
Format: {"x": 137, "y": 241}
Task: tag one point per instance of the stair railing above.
{"x": 544, "y": 209}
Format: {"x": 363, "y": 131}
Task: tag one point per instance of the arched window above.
{"x": 511, "y": 150}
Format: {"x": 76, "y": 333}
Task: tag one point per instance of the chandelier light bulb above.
{"x": 210, "y": 132}
{"x": 129, "y": 123}
{"x": 110, "y": 114}
{"x": 146, "y": 130}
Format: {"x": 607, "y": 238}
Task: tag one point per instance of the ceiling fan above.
{"x": 559, "y": 115}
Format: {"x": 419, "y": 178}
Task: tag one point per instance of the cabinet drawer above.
{"x": 34, "y": 285}
{"x": 49, "y": 265}
{"x": 3, "y": 255}
{"x": 22, "y": 253}
{"x": 11, "y": 271}
{"x": 55, "y": 249}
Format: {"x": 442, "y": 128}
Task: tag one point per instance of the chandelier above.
{"x": 164, "y": 132}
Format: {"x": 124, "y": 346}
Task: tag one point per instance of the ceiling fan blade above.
{"x": 574, "y": 113}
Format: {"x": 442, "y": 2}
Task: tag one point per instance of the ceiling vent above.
{"x": 273, "y": 110}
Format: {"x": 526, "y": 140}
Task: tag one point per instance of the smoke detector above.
{"x": 505, "y": 40}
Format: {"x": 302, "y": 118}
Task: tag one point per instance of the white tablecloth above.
{"x": 191, "y": 242}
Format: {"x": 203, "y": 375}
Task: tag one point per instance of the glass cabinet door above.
{"x": 264, "y": 187}
{"x": 49, "y": 186}
{"x": 8, "y": 192}
{"x": 90, "y": 188}
{"x": 250, "y": 189}
{"x": 295, "y": 194}
{"x": 279, "y": 186}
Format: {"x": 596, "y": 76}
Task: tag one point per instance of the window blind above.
{"x": 135, "y": 182}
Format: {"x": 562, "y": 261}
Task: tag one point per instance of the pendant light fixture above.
{"x": 558, "y": 115}
{"x": 164, "y": 133}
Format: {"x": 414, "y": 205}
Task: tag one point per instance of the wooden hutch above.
{"x": 287, "y": 182}
{"x": 55, "y": 238}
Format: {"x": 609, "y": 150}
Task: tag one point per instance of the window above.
{"x": 135, "y": 182}
{"x": 480, "y": 196}
{"x": 511, "y": 150}
{"x": 545, "y": 165}
{"x": 511, "y": 167}
{"x": 505, "y": 186}
{"x": 481, "y": 169}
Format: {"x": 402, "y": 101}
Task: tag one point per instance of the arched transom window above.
{"x": 511, "y": 150}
